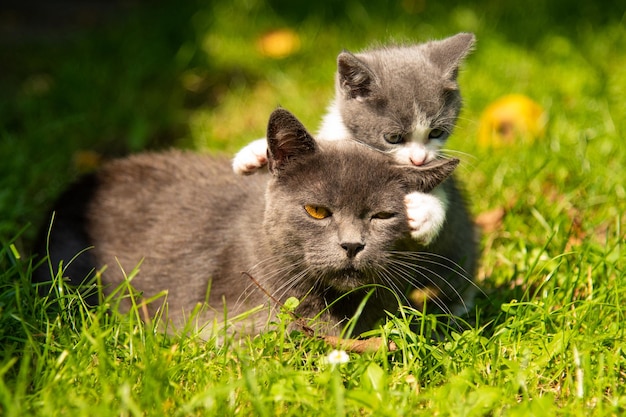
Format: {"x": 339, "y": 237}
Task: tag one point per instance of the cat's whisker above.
{"x": 427, "y": 256}
{"x": 437, "y": 301}
{"x": 370, "y": 147}
{"x": 410, "y": 279}
{"x": 468, "y": 160}
{"x": 261, "y": 265}
{"x": 419, "y": 268}
{"x": 439, "y": 304}
{"x": 453, "y": 152}
{"x": 277, "y": 296}
{"x": 388, "y": 278}
{"x": 265, "y": 265}
{"x": 453, "y": 296}
{"x": 470, "y": 121}
{"x": 255, "y": 282}
{"x": 289, "y": 284}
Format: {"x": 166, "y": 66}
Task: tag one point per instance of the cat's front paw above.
{"x": 252, "y": 157}
{"x": 426, "y": 214}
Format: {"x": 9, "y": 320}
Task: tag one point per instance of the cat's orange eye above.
{"x": 383, "y": 215}
{"x": 317, "y": 212}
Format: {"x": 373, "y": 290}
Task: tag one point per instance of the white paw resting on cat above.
{"x": 426, "y": 214}
{"x": 252, "y": 157}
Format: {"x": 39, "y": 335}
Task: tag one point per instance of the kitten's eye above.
{"x": 436, "y": 134}
{"x": 383, "y": 215}
{"x": 394, "y": 138}
{"x": 317, "y": 212}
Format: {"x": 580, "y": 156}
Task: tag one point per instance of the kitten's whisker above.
{"x": 454, "y": 152}
{"x": 470, "y": 121}
{"x": 368, "y": 146}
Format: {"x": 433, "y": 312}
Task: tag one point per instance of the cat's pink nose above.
{"x": 418, "y": 160}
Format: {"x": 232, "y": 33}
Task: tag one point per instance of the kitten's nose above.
{"x": 352, "y": 248}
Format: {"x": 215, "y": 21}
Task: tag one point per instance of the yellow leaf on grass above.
{"x": 511, "y": 119}
{"x": 279, "y": 43}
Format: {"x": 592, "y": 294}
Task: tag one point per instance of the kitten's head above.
{"x": 403, "y": 99}
{"x": 335, "y": 209}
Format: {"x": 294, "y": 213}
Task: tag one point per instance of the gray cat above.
{"x": 404, "y": 100}
{"x": 327, "y": 220}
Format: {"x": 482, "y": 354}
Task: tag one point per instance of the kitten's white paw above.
{"x": 251, "y": 157}
{"x": 426, "y": 214}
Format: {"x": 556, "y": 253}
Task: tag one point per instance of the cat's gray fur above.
{"x": 195, "y": 224}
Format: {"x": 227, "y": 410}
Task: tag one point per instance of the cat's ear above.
{"x": 426, "y": 177}
{"x": 448, "y": 53}
{"x": 355, "y": 79}
{"x": 287, "y": 139}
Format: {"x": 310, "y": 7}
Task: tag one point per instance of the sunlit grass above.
{"x": 547, "y": 336}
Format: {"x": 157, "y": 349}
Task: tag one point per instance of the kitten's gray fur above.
{"x": 401, "y": 94}
{"x": 194, "y": 224}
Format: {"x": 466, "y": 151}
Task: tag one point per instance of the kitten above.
{"x": 400, "y": 99}
{"x": 329, "y": 219}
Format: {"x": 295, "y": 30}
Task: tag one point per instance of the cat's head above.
{"x": 403, "y": 99}
{"x": 335, "y": 208}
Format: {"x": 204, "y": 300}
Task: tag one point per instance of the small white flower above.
{"x": 336, "y": 357}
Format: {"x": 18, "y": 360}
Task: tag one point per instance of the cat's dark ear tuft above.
{"x": 426, "y": 177}
{"x": 448, "y": 53}
{"x": 354, "y": 78}
{"x": 287, "y": 139}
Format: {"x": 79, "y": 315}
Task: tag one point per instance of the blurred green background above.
{"x": 81, "y": 82}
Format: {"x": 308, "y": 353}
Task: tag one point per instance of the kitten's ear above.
{"x": 354, "y": 78}
{"x": 287, "y": 139}
{"x": 425, "y": 178}
{"x": 448, "y": 53}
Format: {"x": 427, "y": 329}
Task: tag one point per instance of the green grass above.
{"x": 546, "y": 338}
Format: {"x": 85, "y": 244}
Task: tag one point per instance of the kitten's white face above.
{"x": 404, "y": 99}
{"x": 420, "y": 146}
